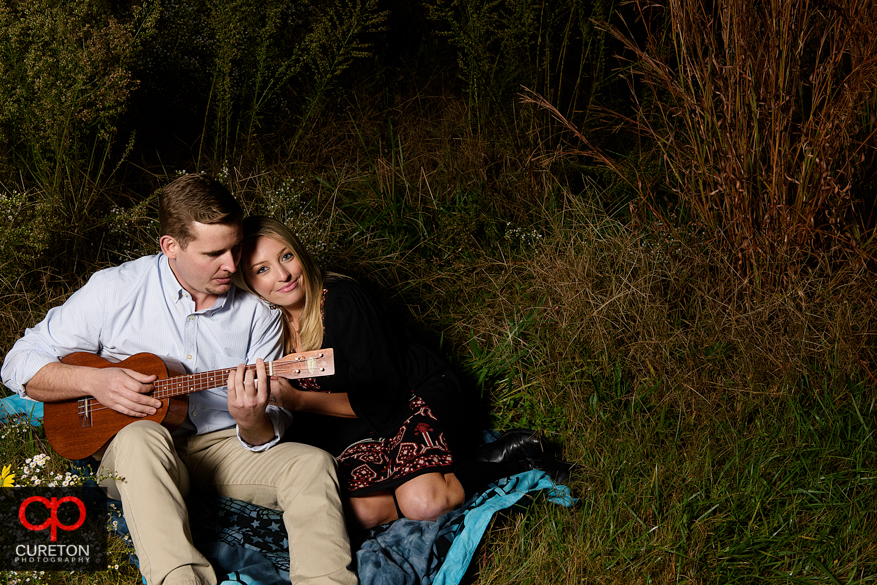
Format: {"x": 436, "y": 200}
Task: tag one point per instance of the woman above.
{"x": 392, "y": 414}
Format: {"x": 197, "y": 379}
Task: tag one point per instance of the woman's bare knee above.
{"x": 429, "y": 496}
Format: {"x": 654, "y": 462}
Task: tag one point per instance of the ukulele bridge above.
{"x": 85, "y": 413}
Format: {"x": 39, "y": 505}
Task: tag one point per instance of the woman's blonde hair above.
{"x": 310, "y": 322}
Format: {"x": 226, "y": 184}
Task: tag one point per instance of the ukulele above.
{"x": 79, "y": 428}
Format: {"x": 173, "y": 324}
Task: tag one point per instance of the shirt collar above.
{"x": 172, "y": 288}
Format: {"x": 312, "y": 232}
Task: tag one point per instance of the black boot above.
{"x": 476, "y": 476}
{"x": 514, "y": 445}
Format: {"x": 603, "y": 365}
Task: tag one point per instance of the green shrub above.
{"x": 65, "y": 79}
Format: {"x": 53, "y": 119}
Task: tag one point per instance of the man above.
{"x": 181, "y": 303}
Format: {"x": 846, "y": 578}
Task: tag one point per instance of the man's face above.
{"x": 205, "y": 265}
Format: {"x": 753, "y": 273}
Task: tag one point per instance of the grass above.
{"x": 669, "y": 496}
{"x": 723, "y": 433}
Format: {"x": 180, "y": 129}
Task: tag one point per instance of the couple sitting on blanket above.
{"x": 392, "y": 415}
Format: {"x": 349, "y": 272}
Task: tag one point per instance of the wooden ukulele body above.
{"x": 77, "y": 429}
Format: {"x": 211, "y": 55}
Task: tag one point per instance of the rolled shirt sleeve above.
{"x": 280, "y": 418}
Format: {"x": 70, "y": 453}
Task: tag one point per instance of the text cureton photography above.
{"x": 52, "y": 553}
{"x": 53, "y": 529}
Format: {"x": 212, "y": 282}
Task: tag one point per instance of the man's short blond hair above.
{"x": 195, "y": 198}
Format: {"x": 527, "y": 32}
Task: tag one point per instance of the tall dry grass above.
{"x": 762, "y": 116}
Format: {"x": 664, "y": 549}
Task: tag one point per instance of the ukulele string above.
{"x": 90, "y": 405}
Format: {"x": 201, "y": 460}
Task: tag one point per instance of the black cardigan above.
{"x": 379, "y": 367}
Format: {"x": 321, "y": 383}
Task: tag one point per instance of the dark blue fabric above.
{"x": 407, "y": 552}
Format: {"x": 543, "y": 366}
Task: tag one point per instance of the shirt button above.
{"x": 194, "y": 414}
{"x": 191, "y": 317}
{"x": 188, "y": 357}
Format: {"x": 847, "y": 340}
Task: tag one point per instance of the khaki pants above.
{"x": 159, "y": 472}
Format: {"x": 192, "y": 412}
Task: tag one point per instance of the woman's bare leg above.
{"x": 372, "y": 510}
{"x": 428, "y": 496}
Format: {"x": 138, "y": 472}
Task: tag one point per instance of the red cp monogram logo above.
{"x": 53, "y": 521}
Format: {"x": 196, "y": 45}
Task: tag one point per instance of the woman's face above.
{"x": 273, "y": 271}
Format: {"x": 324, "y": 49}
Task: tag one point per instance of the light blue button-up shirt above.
{"x": 141, "y": 307}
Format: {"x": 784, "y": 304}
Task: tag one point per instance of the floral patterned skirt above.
{"x": 379, "y": 463}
